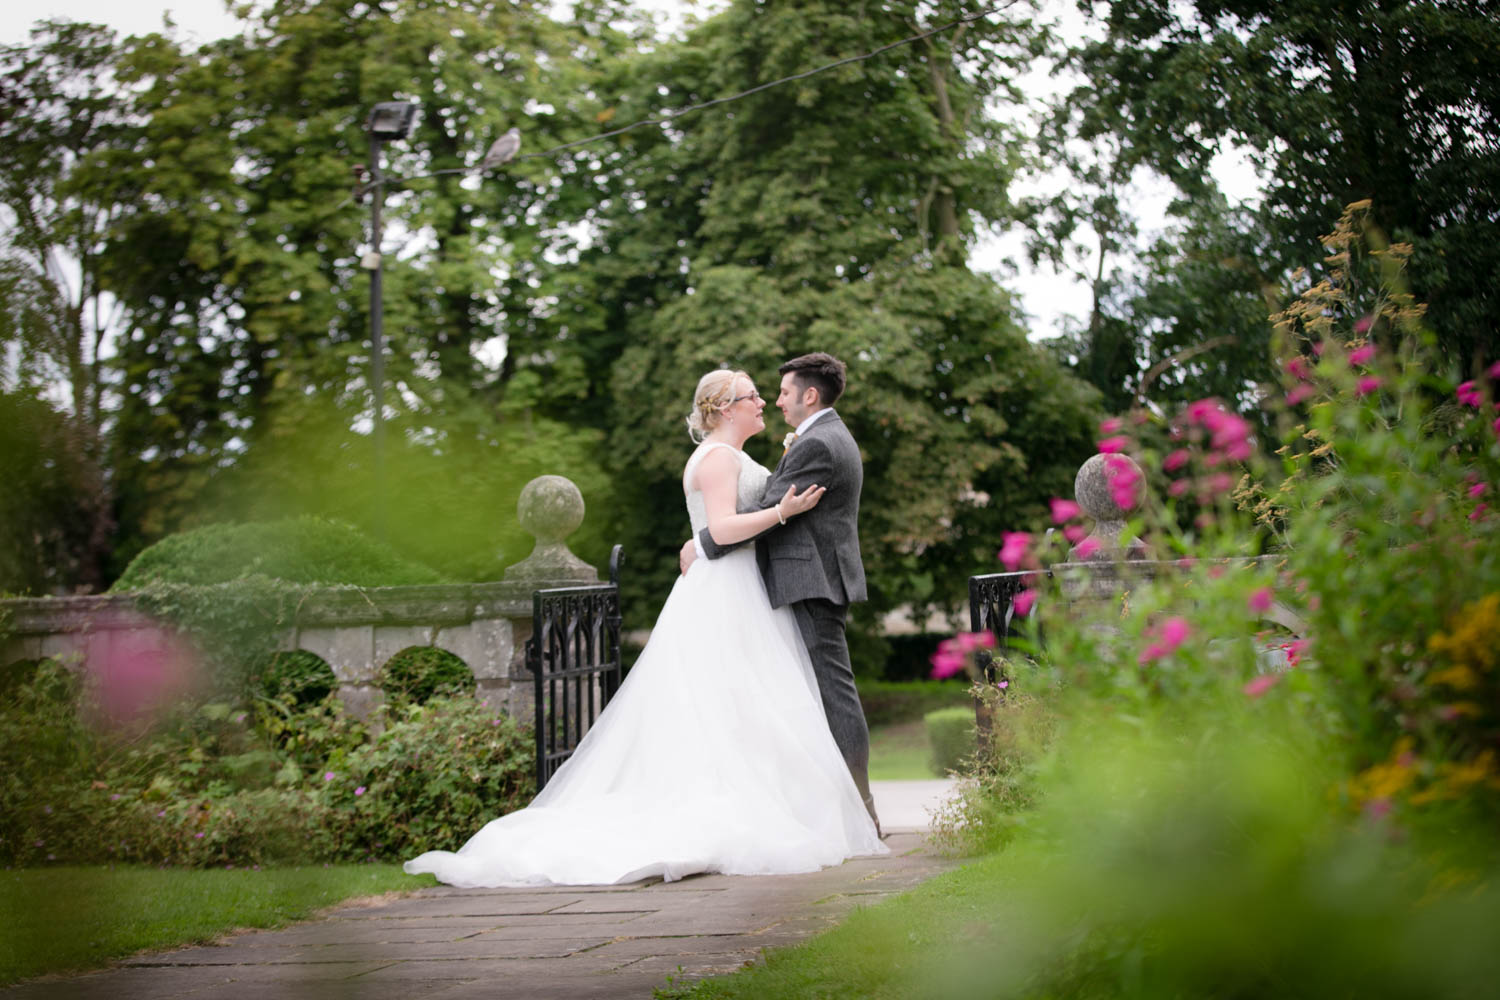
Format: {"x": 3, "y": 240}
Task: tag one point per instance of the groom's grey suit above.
{"x": 812, "y": 564}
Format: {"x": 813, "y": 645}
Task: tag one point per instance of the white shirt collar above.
{"x": 802, "y": 427}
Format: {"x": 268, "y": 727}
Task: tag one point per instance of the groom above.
{"x": 811, "y": 562}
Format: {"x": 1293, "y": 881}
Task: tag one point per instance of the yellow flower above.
{"x": 1472, "y": 638}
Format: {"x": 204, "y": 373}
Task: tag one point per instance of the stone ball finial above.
{"x": 1091, "y": 488}
{"x": 551, "y": 508}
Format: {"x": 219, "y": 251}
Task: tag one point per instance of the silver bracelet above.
{"x": 780, "y": 516}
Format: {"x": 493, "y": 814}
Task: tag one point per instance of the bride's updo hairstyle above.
{"x": 715, "y": 393}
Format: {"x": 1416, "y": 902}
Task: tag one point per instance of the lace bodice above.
{"x": 752, "y": 485}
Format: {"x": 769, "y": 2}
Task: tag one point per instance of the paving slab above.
{"x": 563, "y": 942}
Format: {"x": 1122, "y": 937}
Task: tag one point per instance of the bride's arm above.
{"x": 718, "y": 477}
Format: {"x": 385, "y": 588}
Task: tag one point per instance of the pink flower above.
{"x": 1297, "y": 367}
{"x": 1064, "y": 511}
{"x": 1200, "y": 411}
{"x": 1154, "y": 651}
{"x": 1178, "y": 487}
{"x": 1024, "y": 600}
{"x": 1360, "y": 326}
{"x": 1260, "y": 600}
{"x": 1318, "y": 349}
{"x": 1239, "y": 451}
{"x": 328, "y": 776}
{"x": 1113, "y": 445}
{"x": 1003, "y": 685}
{"x": 1219, "y": 482}
{"x": 1497, "y": 428}
{"x": 1299, "y": 393}
{"x": 1014, "y": 548}
{"x": 1493, "y": 371}
{"x": 1362, "y": 354}
{"x": 1478, "y": 512}
{"x": 1086, "y": 548}
{"x": 970, "y": 641}
{"x": 946, "y": 661}
{"x": 1260, "y": 685}
{"x": 1176, "y": 460}
{"x": 1229, "y": 429}
{"x": 360, "y": 790}
{"x": 1111, "y": 426}
{"x": 1476, "y": 490}
{"x": 1122, "y": 482}
{"x": 1469, "y": 395}
{"x": 198, "y": 836}
{"x": 1174, "y": 631}
{"x": 1075, "y": 533}
{"x": 1367, "y": 384}
{"x": 1294, "y": 651}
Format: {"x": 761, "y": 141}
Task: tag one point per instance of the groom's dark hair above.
{"x": 823, "y": 372}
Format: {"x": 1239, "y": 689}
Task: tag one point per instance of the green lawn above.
{"x": 71, "y": 919}
{"x": 900, "y": 752}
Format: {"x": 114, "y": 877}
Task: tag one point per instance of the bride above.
{"x": 714, "y": 755}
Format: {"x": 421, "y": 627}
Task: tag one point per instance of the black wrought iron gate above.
{"x": 574, "y": 658}
{"x": 992, "y": 599}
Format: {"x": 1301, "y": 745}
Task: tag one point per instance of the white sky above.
{"x": 1047, "y": 296}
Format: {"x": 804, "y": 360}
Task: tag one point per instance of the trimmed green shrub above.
{"x": 892, "y": 702}
{"x": 950, "y": 731}
{"x": 306, "y": 550}
{"x": 418, "y": 673}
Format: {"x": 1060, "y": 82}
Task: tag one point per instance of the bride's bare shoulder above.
{"x": 717, "y": 466}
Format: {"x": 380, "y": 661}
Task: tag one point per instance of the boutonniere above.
{"x": 786, "y": 442}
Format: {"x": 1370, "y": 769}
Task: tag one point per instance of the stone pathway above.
{"x": 614, "y": 941}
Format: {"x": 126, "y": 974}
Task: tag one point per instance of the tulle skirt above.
{"x": 714, "y": 756}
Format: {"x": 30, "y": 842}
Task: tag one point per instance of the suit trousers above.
{"x": 821, "y": 623}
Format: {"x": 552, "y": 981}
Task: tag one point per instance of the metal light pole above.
{"x": 388, "y": 120}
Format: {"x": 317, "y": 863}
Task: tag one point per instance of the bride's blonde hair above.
{"x": 715, "y": 392}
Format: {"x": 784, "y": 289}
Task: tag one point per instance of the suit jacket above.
{"x": 816, "y": 554}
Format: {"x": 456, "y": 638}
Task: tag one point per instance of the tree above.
{"x": 62, "y": 120}
{"x": 833, "y": 213}
{"x": 1339, "y": 101}
{"x": 246, "y": 301}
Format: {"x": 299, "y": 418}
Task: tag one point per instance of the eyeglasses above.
{"x": 737, "y": 399}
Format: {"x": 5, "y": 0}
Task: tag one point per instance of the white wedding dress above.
{"x": 714, "y": 755}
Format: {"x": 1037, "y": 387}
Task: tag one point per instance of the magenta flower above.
{"x": 1260, "y": 600}
{"x": 947, "y": 661}
{"x": 1299, "y": 394}
{"x": 1075, "y": 533}
{"x": 328, "y": 776}
{"x": 1174, "y": 631}
{"x": 198, "y": 836}
{"x": 1360, "y": 326}
{"x": 1113, "y": 445}
{"x": 1318, "y": 349}
{"x": 1176, "y": 460}
{"x": 1260, "y": 685}
{"x": 1024, "y": 600}
{"x": 1228, "y": 429}
{"x": 1476, "y": 490}
{"x": 1497, "y": 428}
{"x": 1202, "y": 410}
{"x": 1111, "y": 426}
{"x": 359, "y": 791}
{"x": 1086, "y": 548}
{"x": 1294, "y": 650}
{"x": 970, "y": 641}
{"x": 1367, "y": 384}
{"x": 1014, "y": 548}
{"x": 1361, "y": 355}
{"x": 1178, "y": 487}
{"x": 1478, "y": 512}
{"x": 1219, "y": 482}
{"x": 1493, "y": 371}
{"x": 1297, "y": 367}
{"x": 1469, "y": 395}
{"x": 1064, "y": 511}
{"x": 1123, "y": 480}
{"x": 1154, "y": 651}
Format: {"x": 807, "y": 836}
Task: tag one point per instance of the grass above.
{"x": 901, "y": 752}
{"x": 59, "y": 920}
